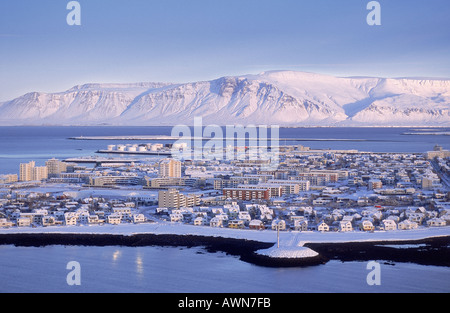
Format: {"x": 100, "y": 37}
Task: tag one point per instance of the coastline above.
{"x": 424, "y": 251}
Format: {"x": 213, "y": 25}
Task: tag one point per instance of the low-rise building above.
{"x": 345, "y": 226}
{"x": 389, "y": 224}
{"x": 323, "y": 227}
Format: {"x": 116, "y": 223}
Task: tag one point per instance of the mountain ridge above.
{"x": 285, "y": 98}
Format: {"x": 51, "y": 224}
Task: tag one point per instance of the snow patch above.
{"x": 288, "y": 252}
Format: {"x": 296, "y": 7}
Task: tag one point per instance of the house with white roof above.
{"x": 366, "y": 225}
{"x": 323, "y": 227}
{"x": 244, "y": 216}
{"x": 199, "y": 221}
{"x": 389, "y": 224}
{"x": 70, "y": 218}
{"x": 114, "y": 219}
{"x": 300, "y": 225}
{"x": 138, "y": 218}
{"x": 407, "y": 224}
{"x": 176, "y": 217}
{"x": 216, "y": 222}
{"x": 436, "y": 222}
{"x": 280, "y": 224}
{"x": 345, "y": 226}
{"x": 256, "y": 224}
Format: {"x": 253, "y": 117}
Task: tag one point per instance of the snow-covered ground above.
{"x": 287, "y": 238}
{"x": 288, "y": 252}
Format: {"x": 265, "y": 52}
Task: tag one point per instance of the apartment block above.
{"x": 173, "y": 198}
{"x": 170, "y": 168}
{"x": 245, "y": 193}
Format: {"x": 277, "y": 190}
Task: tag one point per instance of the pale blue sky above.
{"x": 190, "y": 40}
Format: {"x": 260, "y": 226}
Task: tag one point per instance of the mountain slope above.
{"x": 285, "y": 98}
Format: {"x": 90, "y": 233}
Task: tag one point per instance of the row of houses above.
{"x": 260, "y": 216}
{"x": 72, "y": 213}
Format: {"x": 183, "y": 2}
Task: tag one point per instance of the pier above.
{"x": 100, "y": 160}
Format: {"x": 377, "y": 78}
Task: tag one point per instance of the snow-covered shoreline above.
{"x": 288, "y": 252}
{"x": 287, "y": 238}
{"x": 257, "y": 247}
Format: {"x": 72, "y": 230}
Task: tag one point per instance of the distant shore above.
{"x": 430, "y": 251}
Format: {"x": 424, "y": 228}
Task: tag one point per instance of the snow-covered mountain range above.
{"x": 284, "y": 98}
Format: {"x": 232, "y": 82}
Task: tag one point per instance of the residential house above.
{"x": 23, "y": 222}
{"x": 278, "y": 224}
{"x": 48, "y": 220}
{"x": 199, "y": 221}
{"x": 389, "y": 224}
{"x": 70, "y": 218}
{"x": 323, "y": 227}
{"x": 300, "y": 225}
{"x": 345, "y": 226}
{"x": 436, "y": 222}
{"x": 5, "y": 223}
{"x": 114, "y": 219}
{"x": 366, "y": 225}
{"x": 94, "y": 219}
{"x": 407, "y": 224}
{"x": 237, "y": 224}
{"x": 176, "y": 217}
{"x": 138, "y": 218}
{"x": 244, "y": 216}
{"x": 256, "y": 224}
{"x": 216, "y": 222}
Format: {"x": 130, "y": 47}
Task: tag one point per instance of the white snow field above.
{"x": 291, "y": 242}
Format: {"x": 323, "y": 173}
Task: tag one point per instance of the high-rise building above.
{"x": 40, "y": 173}
{"x": 29, "y": 172}
{"x": 26, "y": 171}
{"x": 170, "y": 168}
{"x": 55, "y": 167}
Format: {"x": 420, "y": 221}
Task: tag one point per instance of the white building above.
{"x": 436, "y": 222}
{"x": 176, "y": 217}
{"x": 199, "y": 221}
{"x": 29, "y": 172}
{"x": 345, "y": 226}
{"x": 70, "y": 218}
{"x": 323, "y": 227}
{"x": 278, "y": 224}
{"x": 138, "y": 218}
{"x": 5, "y": 223}
{"x": 407, "y": 224}
{"x": 389, "y": 224}
{"x": 170, "y": 168}
{"x": 23, "y": 222}
{"x": 300, "y": 225}
{"x": 216, "y": 222}
{"x": 114, "y": 219}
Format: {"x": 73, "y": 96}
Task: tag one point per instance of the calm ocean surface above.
{"x": 158, "y": 269}
{"x": 191, "y": 270}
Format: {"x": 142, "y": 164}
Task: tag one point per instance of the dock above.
{"x": 163, "y": 153}
{"x": 100, "y": 160}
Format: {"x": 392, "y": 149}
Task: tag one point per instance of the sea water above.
{"x": 192, "y": 270}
